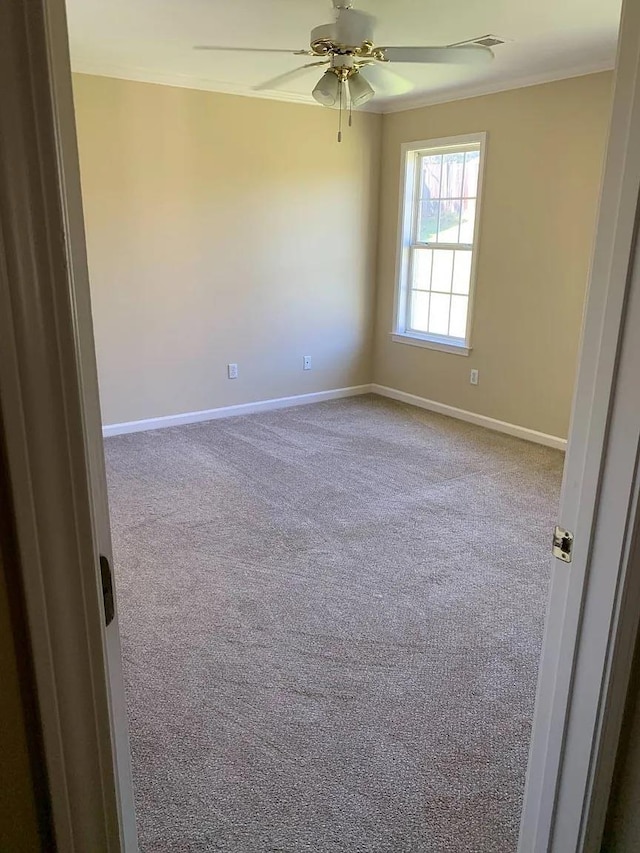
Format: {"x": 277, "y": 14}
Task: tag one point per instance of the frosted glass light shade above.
{"x": 360, "y": 90}
{"x": 327, "y": 89}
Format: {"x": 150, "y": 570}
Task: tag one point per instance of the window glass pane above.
{"x": 430, "y": 182}
{"x": 442, "y": 270}
{"x": 428, "y": 221}
{"x": 458, "y": 322}
{"x": 421, "y": 273}
{"x": 442, "y": 223}
{"x": 467, "y": 220}
{"x": 449, "y": 222}
{"x": 439, "y": 314}
{"x": 419, "y": 319}
{"x": 462, "y": 272}
{"x": 471, "y": 173}
{"x": 452, "y": 168}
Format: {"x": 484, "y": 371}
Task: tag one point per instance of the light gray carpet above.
{"x": 331, "y": 619}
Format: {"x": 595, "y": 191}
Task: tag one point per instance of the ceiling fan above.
{"x": 354, "y": 61}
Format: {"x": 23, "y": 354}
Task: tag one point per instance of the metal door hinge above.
{"x": 563, "y": 544}
{"x": 107, "y": 590}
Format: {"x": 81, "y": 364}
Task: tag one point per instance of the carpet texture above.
{"x": 331, "y": 621}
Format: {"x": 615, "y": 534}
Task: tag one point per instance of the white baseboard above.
{"x": 231, "y": 411}
{"x": 335, "y": 394}
{"x": 471, "y": 417}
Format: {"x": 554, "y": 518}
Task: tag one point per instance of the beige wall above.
{"x": 622, "y": 832}
{"x": 19, "y": 828}
{"x": 224, "y": 229}
{"x": 544, "y": 153}
{"x": 227, "y": 229}
{"x": 18, "y": 816}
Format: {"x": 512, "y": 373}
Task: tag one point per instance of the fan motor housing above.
{"x": 350, "y": 29}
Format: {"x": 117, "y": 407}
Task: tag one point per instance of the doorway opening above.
{"x": 332, "y": 615}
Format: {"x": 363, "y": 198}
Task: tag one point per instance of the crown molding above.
{"x": 493, "y": 87}
{"x": 386, "y": 107}
{"x": 184, "y": 81}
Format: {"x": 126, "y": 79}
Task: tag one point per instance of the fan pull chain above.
{"x": 340, "y": 114}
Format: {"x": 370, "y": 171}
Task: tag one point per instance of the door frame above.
{"x": 48, "y": 394}
{"x": 592, "y": 623}
{"x": 52, "y": 430}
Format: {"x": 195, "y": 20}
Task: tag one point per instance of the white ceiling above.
{"x": 153, "y": 40}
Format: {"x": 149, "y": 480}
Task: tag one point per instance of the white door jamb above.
{"x": 44, "y": 400}
{"x": 591, "y": 619}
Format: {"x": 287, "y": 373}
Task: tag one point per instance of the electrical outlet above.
{"x": 232, "y": 371}
{"x": 306, "y": 362}
{"x": 473, "y": 378}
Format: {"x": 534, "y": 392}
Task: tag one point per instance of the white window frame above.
{"x": 410, "y": 153}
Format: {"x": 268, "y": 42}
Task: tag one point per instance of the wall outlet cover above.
{"x": 232, "y": 371}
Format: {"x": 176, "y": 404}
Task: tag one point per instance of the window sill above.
{"x": 429, "y": 343}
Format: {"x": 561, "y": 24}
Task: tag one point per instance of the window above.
{"x": 441, "y": 186}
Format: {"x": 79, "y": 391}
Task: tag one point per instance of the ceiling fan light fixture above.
{"x": 327, "y": 89}
{"x": 360, "y": 90}
{"x": 355, "y": 61}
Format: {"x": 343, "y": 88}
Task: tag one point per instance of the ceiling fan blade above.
{"x": 275, "y": 82}
{"x": 469, "y": 54}
{"x": 252, "y": 49}
{"x": 385, "y": 81}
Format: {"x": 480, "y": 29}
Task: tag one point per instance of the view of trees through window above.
{"x": 448, "y": 191}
